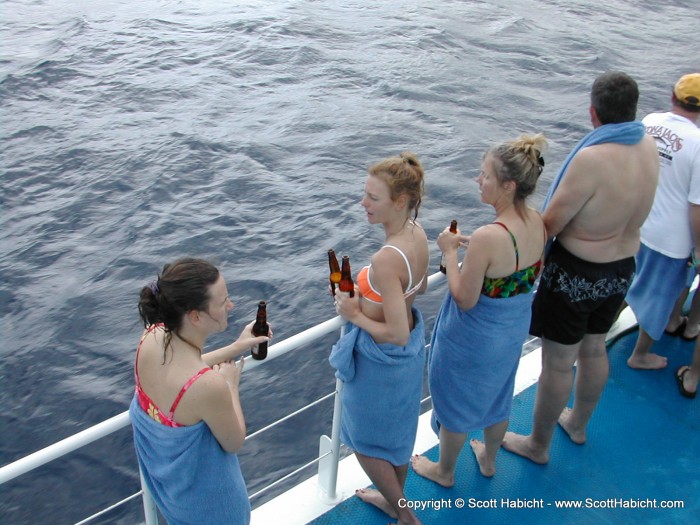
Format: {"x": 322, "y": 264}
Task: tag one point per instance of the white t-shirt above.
{"x": 667, "y": 228}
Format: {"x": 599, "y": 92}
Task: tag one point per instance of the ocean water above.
{"x": 134, "y": 133}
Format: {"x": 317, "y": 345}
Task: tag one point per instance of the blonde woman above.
{"x": 485, "y": 317}
{"x": 382, "y": 355}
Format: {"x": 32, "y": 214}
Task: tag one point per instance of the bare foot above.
{"x": 486, "y": 467}
{"x": 648, "y": 362}
{"x": 429, "y": 469}
{"x": 522, "y": 446}
{"x": 374, "y": 497}
{"x": 691, "y": 332}
{"x": 681, "y": 320}
{"x": 577, "y": 435}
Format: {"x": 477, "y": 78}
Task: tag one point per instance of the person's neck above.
{"x": 191, "y": 340}
{"x": 692, "y": 116}
{"x": 504, "y": 207}
{"x": 397, "y": 227}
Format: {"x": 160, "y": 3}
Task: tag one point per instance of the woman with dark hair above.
{"x": 382, "y": 355}
{"x": 186, "y": 415}
{"x": 484, "y": 320}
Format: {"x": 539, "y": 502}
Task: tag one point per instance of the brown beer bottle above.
{"x": 453, "y": 229}
{"x": 261, "y": 328}
{"x": 334, "y": 268}
{"x": 346, "y": 284}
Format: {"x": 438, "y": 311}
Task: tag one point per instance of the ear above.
{"x": 193, "y": 317}
{"x": 401, "y": 201}
{"x": 510, "y": 185}
{"x": 594, "y": 117}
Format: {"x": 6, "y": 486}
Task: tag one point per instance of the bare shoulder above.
{"x": 418, "y": 234}
{"x": 209, "y": 391}
{"x": 486, "y": 235}
{"x": 649, "y": 146}
{"x": 386, "y": 261}
{"x": 151, "y": 345}
{"x": 649, "y": 142}
{"x": 588, "y": 159}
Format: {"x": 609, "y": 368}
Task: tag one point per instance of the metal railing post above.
{"x": 329, "y": 449}
{"x": 150, "y": 511}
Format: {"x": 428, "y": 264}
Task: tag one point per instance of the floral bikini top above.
{"x": 521, "y": 281}
{"x": 145, "y": 402}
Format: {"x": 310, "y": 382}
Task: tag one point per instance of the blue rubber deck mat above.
{"x": 640, "y": 465}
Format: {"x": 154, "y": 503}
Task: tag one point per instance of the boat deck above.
{"x": 642, "y": 454}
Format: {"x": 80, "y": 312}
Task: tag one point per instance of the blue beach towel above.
{"x": 192, "y": 479}
{"x": 381, "y": 392}
{"x": 623, "y": 133}
{"x": 656, "y": 286}
{"x": 473, "y": 359}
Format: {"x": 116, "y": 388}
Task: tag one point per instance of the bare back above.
{"x": 603, "y": 200}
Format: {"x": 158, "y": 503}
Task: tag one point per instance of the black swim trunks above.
{"x": 577, "y": 297}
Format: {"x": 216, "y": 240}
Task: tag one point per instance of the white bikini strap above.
{"x": 408, "y": 265}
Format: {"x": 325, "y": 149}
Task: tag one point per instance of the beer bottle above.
{"x": 261, "y": 328}
{"x": 346, "y": 284}
{"x": 335, "y": 269}
{"x": 453, "y": 229}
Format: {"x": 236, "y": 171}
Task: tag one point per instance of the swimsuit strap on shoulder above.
{"x": 408, "y": 265}
{"x": 185, "y": 388}
{"x": 138, "y": 349}
{"x": 515, "y": 244}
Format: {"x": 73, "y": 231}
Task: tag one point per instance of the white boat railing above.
{"x": 329, "y": 447}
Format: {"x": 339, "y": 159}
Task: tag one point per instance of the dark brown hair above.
{"x": 614, "y": 96}
{"x": 181, "y": 287}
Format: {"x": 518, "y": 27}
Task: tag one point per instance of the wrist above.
{"x": 232, "y": 388}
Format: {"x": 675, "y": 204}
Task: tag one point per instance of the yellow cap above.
{"x": 687, "y": 89}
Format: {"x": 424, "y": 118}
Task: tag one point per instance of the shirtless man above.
{"x": 595, "y": 213}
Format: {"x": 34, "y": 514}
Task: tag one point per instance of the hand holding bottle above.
{"x": 248, "y": 340}
{"x": 347, "y": 306}
{"x": 449, "y": 241}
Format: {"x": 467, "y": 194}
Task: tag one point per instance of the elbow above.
{"x": 402, "y": 341}
{"x": 235, "y": 442}
{"x": 233, "y": 446}
{"x": 398, "y": 339}
{"x": 465, "y": 303}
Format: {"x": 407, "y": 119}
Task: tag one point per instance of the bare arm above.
{"x": 395, "y": 328}
{"x": 220, "y": 406}
{"x": 695, "y": 229}
{"x": 574, "y": 191}
{"x": 465, "y": 285}
{"x": 241, "y": 345}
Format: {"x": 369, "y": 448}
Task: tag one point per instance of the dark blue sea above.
{"x": 134, "y": 133}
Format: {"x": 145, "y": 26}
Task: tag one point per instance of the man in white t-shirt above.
{"x": 671, "y": 233}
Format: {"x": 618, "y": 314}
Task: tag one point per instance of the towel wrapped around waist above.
{"x": 381, "y": 392}
{"x": 473, "y": 359}
{"x": 192, "y": 479}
